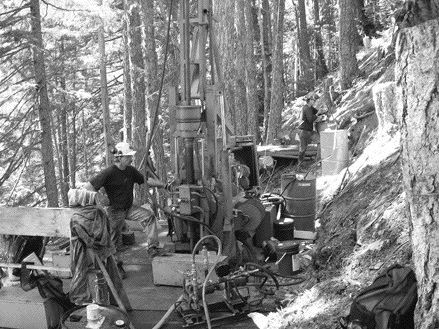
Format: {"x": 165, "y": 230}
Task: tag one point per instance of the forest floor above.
{"x": 362, "y": 225}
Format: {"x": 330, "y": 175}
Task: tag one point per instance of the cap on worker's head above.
{"x": 123, "y": 149}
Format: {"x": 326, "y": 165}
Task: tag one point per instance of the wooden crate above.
{"x": 22, "y": 309}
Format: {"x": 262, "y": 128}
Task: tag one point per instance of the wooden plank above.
{"x": 53, "y": 222}
{"x": 37, "y": 267}
{"x": 285, "y": 151}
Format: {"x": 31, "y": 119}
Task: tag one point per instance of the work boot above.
{"x": 122, "y": 272}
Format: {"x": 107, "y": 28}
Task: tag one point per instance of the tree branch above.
{"x": 63, "y": 9}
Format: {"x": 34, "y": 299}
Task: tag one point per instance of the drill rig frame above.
{"x": 202, "y": 142}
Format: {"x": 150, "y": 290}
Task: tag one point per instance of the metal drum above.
{"x": 334, "y": 151}
{"x": 300, "y": 197}
{"x": 113, "y": 318}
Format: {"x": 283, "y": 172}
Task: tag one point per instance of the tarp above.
{"x": 90, "y": 230}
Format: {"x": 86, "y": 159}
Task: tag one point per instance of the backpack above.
{"x": 388, "y": 303}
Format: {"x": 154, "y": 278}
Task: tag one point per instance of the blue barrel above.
{"x": 300, "y": 204}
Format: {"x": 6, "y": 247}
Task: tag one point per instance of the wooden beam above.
{"x": 36, "y": 267}
{"x": 53, "y": 222}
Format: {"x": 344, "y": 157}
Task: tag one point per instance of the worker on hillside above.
{"x": 118, "y": 181}
{"x": 309, "y": 116}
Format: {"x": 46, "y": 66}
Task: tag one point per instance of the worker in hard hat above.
{"x": 118, "y": 181}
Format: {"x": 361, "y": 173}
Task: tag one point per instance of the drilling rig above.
{"x": 217, "y": 181}
{"x": 215, "y": 196}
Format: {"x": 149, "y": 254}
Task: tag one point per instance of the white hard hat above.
{"x": 123, "y": 148}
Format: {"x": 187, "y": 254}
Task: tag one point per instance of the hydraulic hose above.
{"x": 206, "y": 279}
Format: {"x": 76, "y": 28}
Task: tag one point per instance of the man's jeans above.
{"x": 305, "y": 139}
{"x": 143, "y": 214}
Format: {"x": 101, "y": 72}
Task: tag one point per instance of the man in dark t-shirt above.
{"x": 118, "y": 181}
{"x": 309, "y": 115}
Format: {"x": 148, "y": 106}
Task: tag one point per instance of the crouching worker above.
{"x": 118, "y": 181}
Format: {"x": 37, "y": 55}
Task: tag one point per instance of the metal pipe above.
{"x": 187, "y": 68}
{"x": 189, "y": 160}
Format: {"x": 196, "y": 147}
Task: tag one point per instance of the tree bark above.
{"x": 104, "y": 91}
{"x": 327, "y": 17}
{"x": 127, "y": 92}
{"x": 250, "y": 73}
{"x": 241, "y": 113}
{"x": 138, "y": 88}
{"x": 348, "y": 43}
{"x": 43, "y": 105}
{"x": 417, "y": 80}
{"x": 63, "y": 136}
{"x": 277, "y": 97}
{"x": 152, "y": 88}
{"x": 265, "y": 30}
{"x": 304, "y": 52}
{"x": 226, "y": 45}
{"x": 320, "y": 63}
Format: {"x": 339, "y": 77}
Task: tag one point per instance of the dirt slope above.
{"x": 363, "y": 227}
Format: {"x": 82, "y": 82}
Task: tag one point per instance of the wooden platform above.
{"x": 286, "y": 151}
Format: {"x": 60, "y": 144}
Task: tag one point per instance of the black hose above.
{"x": 189, "y": 219}
{"x": 216, "y": 202}
{"x": 266, "y": 270}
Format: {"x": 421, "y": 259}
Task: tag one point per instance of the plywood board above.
{"x": 53, "y": 222}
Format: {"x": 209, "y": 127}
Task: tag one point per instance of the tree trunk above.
{"x": 321, "y": 68}
{"x": 104, "y": 91}
{"x": 127, "y": 92}
{"x": 241, "y": 113}
{"x": 138, "y": 88}
{"x": 43, "y": 106}
{"x": 328, "y": 13}
{"x": 417, "y": 80}
{"x": 277, "y": 97}
{"x": 250, "y": 73}
{"x": 265, "y": 29}
{"x": 64, "y": 179}
{"x": 226, "y": 45}
{"x": 152, "y": 89}
{"x": 348, "y": 43}
{"x": 304, "y": 52}
{"x": 71, "y": 146}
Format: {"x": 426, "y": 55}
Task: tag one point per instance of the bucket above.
{"x": 334, "y": 151}
{"x": 284, "y": 229}
{"x": 77, "y": 318}
{"x": 288, "y": 263}
{"x": 300, "y": 197}
{"x": 265, "y": 229}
